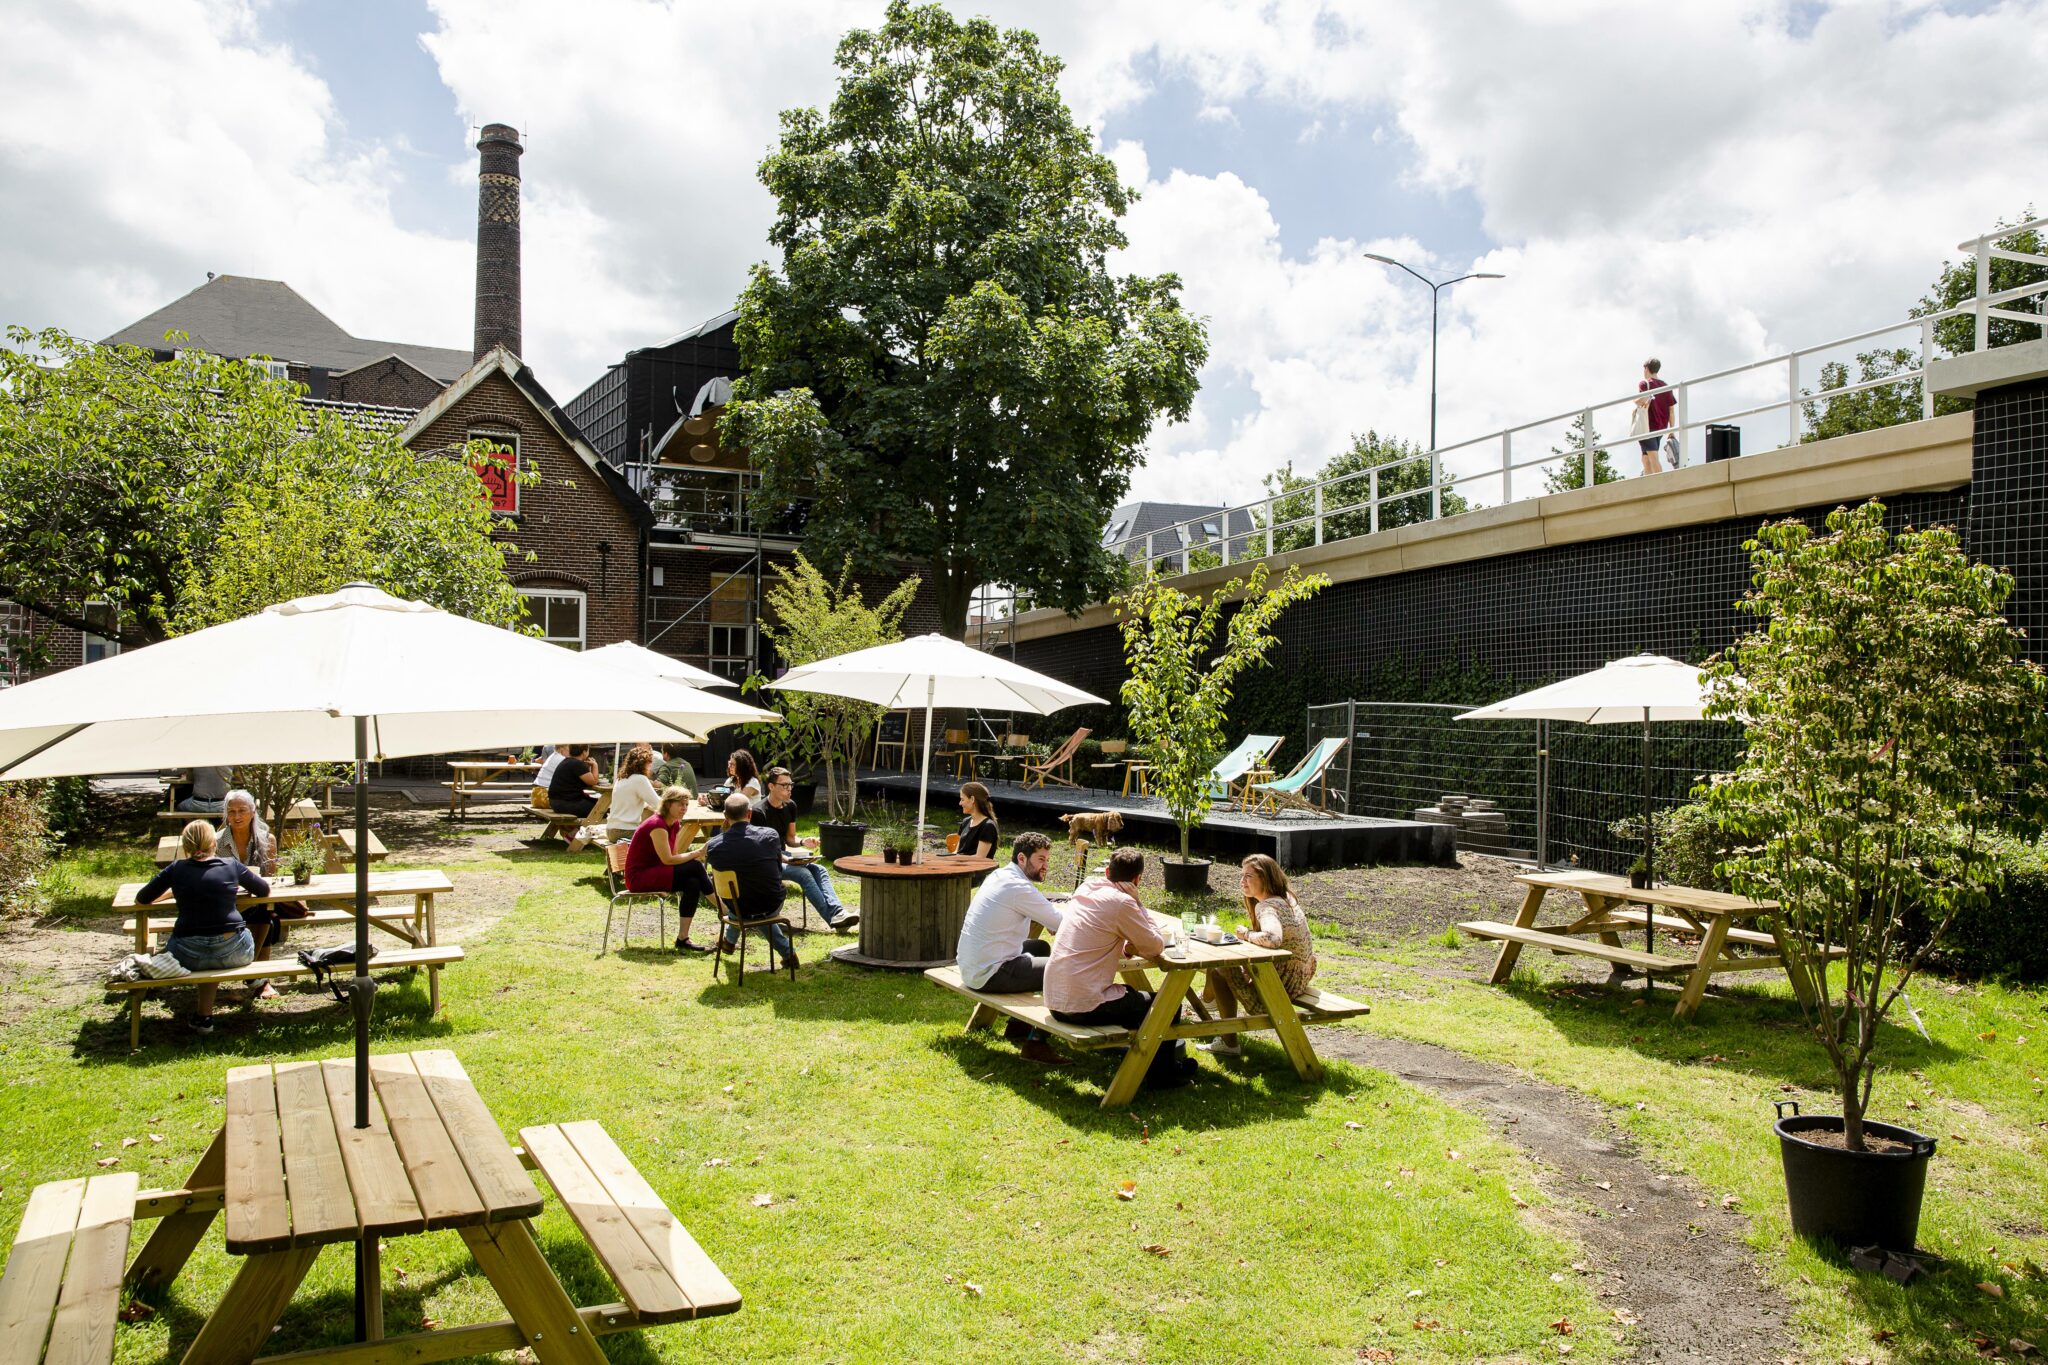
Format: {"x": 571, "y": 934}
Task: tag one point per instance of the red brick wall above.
{"x": 564, "y": 517}
{"x": 386, "y": 383}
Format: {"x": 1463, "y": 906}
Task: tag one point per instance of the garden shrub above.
{"x": 26, "y": 847}
{"x": 69, "y": 809}
{"x": 2006, "y": 936}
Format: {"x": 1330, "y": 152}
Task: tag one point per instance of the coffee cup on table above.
{"x": 952, "y": 843}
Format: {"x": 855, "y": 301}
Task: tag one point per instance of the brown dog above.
{"x": 1097, "y": 825}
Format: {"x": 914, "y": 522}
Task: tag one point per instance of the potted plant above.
{"x": 812, "y": 618}
{"x": 1894, "y": 729}
{"x": 306, "y": 859}
{"x": 1180, "y": 687}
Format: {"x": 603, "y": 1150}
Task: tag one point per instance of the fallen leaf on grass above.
{"x": 1563, "y": 1327}
{"x": 718, "y": 1161}
{"x": 1912, "y": 1104}
{"x": 762, "y": 1201}
{"x": 126, "y": 1143}
{"x": 156, "y": 1137}
{"x": 1729, "y": 1201}
{"x": 1353, "y": 1123}
{"x": 1157, "y": 1249}
{"x": 430, "y": 1324}
{"x": 1127, "y": 1190}
{"x": 1603, "y": 1184}
{"x": 108, "y": 1161}
{"x": 1996, "y": 1291}
{"x": 1415, "y": 1293}
{"x": 1989, "y": 1035}
{"x": 2021, "y": 1347}
{"x": 1375, "y": 1355}
{"x": 1626, "y": 1318}
{"x": 973, "y": 1289}
{"x": 1422, "y": 1324}
{"x": 1451, "y": 1156}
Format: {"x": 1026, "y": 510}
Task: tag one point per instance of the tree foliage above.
{"x": 1347, "y": 509}
{"x": 1569, "y": 471}
{"x": 1894, "y": 726}
{"x": 812, "y": 618}
{"x": 1179, "y": 686}
{"x": 945, "y": 358}
{"x": 1884, "y": 406}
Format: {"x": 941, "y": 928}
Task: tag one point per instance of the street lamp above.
{"x": 1435, "y": 294}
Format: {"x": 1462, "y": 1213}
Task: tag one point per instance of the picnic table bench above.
{"x": 1281, "y": 1015}
{"x": 413, "y": 925}
{"x": 487, "y": 781}
{"x": 1609, "y": 902}
{"x": 290, "y": 1174}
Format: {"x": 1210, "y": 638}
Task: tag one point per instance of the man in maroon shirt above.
{"x": 1660, "y": 400}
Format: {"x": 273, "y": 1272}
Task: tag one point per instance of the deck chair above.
{"x": 615, "y": 877}
{"x": 725, "y": 897}
{"x": 1062, "y": 758}
{"x": 1227, "y": 779}
{"x": 1287, "y": 791}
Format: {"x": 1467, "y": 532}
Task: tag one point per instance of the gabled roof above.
{"x": 372, "y": 416}
{"x": 1141, "y": 518}
{"x": 702, "y": 329}
{"x": 237, "y": 316}
{"x": 501, "y": 361}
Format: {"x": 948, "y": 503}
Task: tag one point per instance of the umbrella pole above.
{"x": 360, "y": 990}
{"x": 1649, "y": 853}
{"x": 924, "y": 775}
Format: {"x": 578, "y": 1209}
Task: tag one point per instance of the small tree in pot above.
{"x": 1893, "y": 727}
{"x": 1180, "y": 685}
{"x": 812, "y": 618}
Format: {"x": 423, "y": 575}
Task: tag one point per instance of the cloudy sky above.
{"x": 1710, "y": 182}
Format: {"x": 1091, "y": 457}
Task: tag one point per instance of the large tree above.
{"x": 945, "y": 360}
{"x": 189, "y": 491}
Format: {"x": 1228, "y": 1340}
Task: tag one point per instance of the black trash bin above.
{"x": 1724, "y": 441}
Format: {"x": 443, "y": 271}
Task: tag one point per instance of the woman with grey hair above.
{"x": 246, "y": 838}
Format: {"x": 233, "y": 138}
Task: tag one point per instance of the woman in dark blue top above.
{"x": 209, "y": 933}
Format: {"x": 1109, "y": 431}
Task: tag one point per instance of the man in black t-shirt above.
{"x": 753, "y": 854}
{"x": 777, "y": 811}
{"x": 569, "y": 790}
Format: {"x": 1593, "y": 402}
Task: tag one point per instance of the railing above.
{"x": 716, "y": 502}
{"x": 1353, "y": 504}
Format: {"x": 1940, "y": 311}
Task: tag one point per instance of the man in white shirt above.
{"x": 548, "y": 766}
{"x": 996, "y": 953}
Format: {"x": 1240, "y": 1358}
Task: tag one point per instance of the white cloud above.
{"x": 1699, "y": 183}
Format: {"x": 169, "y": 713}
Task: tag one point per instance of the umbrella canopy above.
{"x": 1618, "y": 694}
{"x": 933, "y": 671}
{"x": 293, "y": 678}
{"x": 639, "y": 658}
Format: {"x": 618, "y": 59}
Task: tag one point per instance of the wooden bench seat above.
{"x": 160, "y": 925}
{"x": 61, "y": 1292}
{"x": 432, "y": 958}
{"x": 661, "y": 1272}
{"x": 1566, "y": 943}
{"x": 1316, "y": 1006}
{"x": 1754, "y": 938}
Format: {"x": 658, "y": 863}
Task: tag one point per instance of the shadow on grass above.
{"x": 1258, "y": 1087}
{"x": 401, "y": 1017}
{"x": 1927, "y": 1316}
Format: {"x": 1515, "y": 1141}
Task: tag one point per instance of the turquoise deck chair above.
{"x": 1287, "y": 791}
{"x": 1231, "y": 768}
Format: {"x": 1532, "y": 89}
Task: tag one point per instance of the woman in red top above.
{"x": 1658, "y": 400}
{"x": 654, "y": 864}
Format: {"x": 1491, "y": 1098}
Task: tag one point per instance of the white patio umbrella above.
{"x": 933, "y": 671}
{"x": 1642, "y": 688}
{"x": 626, "y": 654}
{"x": 346, "y": 676}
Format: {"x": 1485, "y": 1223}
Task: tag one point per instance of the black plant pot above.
{"x": 1857, "y": 1199}
{"x": 1189, "y": 878}
{"x": 1639, "y": 879}
{"x": 840, "y": 839}
{"x": 888, "y": 853}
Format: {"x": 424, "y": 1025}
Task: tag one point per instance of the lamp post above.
{"x": 1435, "y": 294}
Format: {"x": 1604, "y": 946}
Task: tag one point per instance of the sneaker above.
{"x": 1035, "y": 1050}
{"x": 684, "y": 945}
{"x": 1016, "y": 1031}
{"x": 202, "y": 1023}
{"x": 848, "y": 921}
{"x": 1223, "y": 1047}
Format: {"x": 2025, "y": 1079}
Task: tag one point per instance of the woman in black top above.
{"x": 209, "y": 933}
{"x": 978, "y": 837}
{"x": 570, "y": 790}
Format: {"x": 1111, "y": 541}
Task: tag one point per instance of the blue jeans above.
{"x": 815, "y": 881}
{"x": 212, "y": 952}
{"x": 201, "y": 805}
{"x": 776, "y": 934}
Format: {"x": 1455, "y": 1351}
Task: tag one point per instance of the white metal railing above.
{"x": 1357, "y": 498}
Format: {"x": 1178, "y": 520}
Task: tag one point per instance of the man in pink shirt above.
{"x": 1099, "y": 925}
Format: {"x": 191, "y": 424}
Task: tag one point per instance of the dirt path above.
{"x": 1662, "y": 1251}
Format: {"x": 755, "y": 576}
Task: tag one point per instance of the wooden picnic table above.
{"x": 910, "y": 915}
{"x": 341, "y": 848}
{"x": 486, "y": 779}
{"x": 292, "y": 1174}
{"x": 1716, "y": 917}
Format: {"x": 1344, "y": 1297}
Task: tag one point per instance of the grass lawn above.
{"x": 879, "y": 1185}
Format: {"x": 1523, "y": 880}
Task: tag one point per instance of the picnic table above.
{"x": 1715, "y": 917}
{"x": 341, "y": 849}
{"x": 1282, "y": 1016}
{"x": 487, "y": 780}
{"x": 292, "y": 1174}
{"x": 910, "y": 914}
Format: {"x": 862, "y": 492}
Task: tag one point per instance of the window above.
{"x": 559, "y": 614}
{"x": 732, "y": 651}
{"x": 276, "y": 369}
{"x": 1212, "y": 529}
{"x": 101, "y": 641}
{"x": 499, "y": 486}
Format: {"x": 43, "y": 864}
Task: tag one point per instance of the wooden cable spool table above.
{"x": 910, "y": 915}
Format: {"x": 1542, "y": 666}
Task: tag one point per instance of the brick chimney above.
{"x": 497, "y": 240}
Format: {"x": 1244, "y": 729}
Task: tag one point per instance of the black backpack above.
{"x": 324, "y": 963}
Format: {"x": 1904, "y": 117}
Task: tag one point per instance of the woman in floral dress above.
{"x": 1277, "y": 923}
